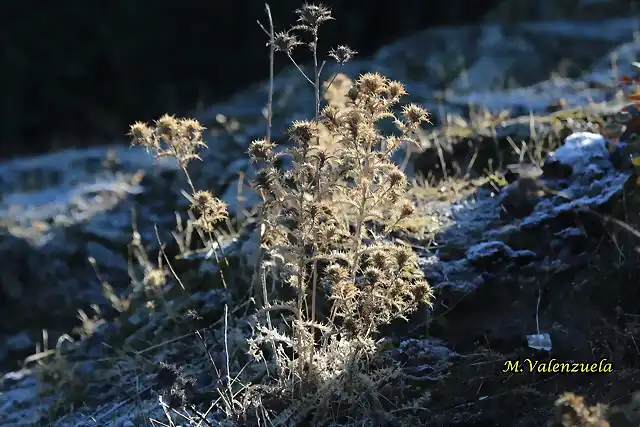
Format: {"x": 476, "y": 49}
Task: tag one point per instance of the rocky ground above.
{"x": 506, "y": 262}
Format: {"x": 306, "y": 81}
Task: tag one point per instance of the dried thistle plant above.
{"x": 572, "y": 410}
{"x": 326, "y": 225}
{"x": 327, "y": 219}
{"x": 181, "y": 138}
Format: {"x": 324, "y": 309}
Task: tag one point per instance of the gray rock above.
{"x": 106, "y": 258}
{"x": 20, "y": 342}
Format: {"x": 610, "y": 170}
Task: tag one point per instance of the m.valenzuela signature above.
{"x": 556, "y": 366}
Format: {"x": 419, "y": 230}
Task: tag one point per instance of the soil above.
{"x": 586, "y": 312}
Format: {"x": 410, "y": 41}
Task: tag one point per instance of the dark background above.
{"x": 78, "y": 72}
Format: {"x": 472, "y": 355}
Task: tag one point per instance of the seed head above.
{"x": 372, "y": 83}
{"x": 407, "y": 209}
{"x": 261, "y": 150}
{"x": 379, "y": 260}
{"x": 303, "y": 131}
{"x": 342, "y": 54}
{"x": 353, "y": 93}
{"x": 155, "y": 278}
{"x": 170, "y": 137}
{"x": 423, "y": 292}
{"x": 354, "y": 118}
{"x": 373, "y": 275}
{"x": 167, "y": 375}
{"x": 192, "y": 314}
{"x": 396, "y": 176}
{"x": 403, "y": 255}
{"x": 265, "y": 179}
{"x": 284, "y": 41}
{"x": 311, "y": 16}
{"x": 331, "y": 117}
{"x": 313, "y": 210}
{"x": 211, "y": 209}
{"x": 336, "y": 273}
{"x": 192, "y": 129}
{"x": 395, "y": 90}
{"x": 393, "y": 142}
{"x": 167, "y": 127}
{"x": 414, "y": 115}
{"x": 322, "y": 158}
{"x": 141, "y": 134}
{"x": 201, "y": 200}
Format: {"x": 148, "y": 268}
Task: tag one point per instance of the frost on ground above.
{"x": 593, "y": 182}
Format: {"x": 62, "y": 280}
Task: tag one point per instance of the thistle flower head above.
{"x": 353, "y": 93}
{"x": 265, "y": 179}
{"x": 342, "y": 54}
{"x": 191, "y": 129}
{"x": 336, "y": 272}
{"x": 379, "y": 259}
{"x": 372, "y": 84}
{"x": 261, "y": 149}
{"x": 331, "y": 117}
{"x": 303, "y": 132}
{"x": 373, "y": 275}
{"x": 415, "y": 115}
{"x": 284, "y": 41}
{"x": 311, "y": 16}
{"x": 396, "y": 177}
{"x": 403, "y": 255}
{"x": 167, "y": 127}
{"x": 211, "y": 209}
{"x": 179, "y": 138}
{"x": 395, "y": 90}
{"x": 155, "y": 278}
{"x": 407, "y": 209}
{"x": 141, "y": 134}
